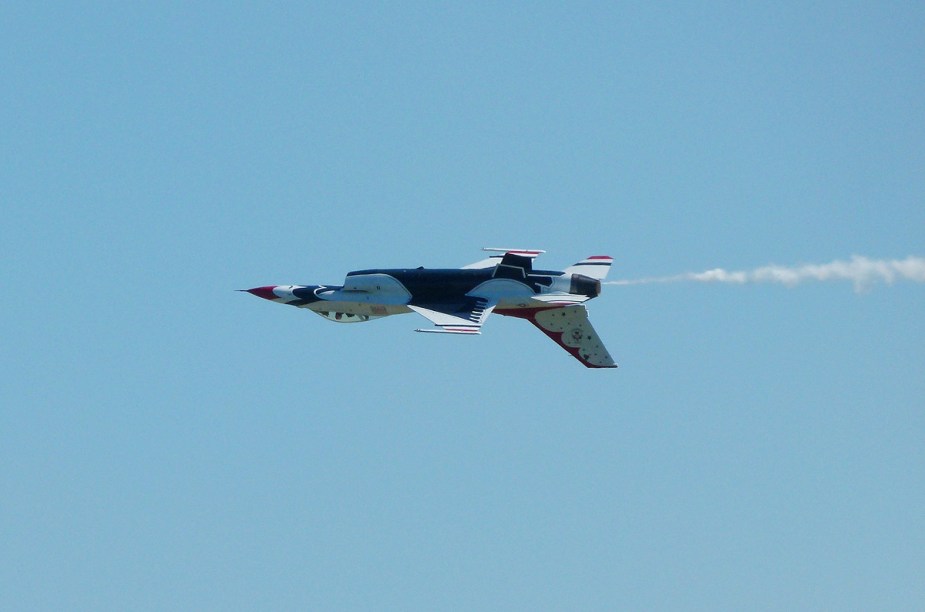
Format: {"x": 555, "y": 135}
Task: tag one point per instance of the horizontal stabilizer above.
{"x": 558, "y": 299}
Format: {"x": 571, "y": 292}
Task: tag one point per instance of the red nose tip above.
{"x": 264, "y": 292}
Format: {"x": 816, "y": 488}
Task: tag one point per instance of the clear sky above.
{"x": 166, "y": 443}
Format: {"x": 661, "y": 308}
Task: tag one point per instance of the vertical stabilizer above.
{"x": 596, "y": 266}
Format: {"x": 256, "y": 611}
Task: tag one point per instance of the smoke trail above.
{"x": 861, "y": 271}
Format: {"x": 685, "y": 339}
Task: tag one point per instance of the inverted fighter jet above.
{"x": 458, "y": 301}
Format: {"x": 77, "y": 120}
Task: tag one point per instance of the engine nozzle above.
{"x": 585, "y": 285}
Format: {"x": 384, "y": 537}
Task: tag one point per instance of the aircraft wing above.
{"x": 570, "y": 328}
{"x": 464, "y": 318}
{"x": 494, "y": 260}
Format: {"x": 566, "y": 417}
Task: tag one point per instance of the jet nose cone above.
{"x": 263, "y": 292}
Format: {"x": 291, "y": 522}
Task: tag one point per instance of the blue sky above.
{"x": 167, "y": 443}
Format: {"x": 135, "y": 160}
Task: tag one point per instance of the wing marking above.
{"x": 569, "y": 327}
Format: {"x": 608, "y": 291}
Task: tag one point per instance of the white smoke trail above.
{"x": 861, "y": 271}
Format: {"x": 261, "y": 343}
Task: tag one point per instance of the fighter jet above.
{"x": 459, "y": 300}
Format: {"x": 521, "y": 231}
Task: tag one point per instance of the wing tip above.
{"x": 524, "y": 252}
{"x": 459, "y": 331}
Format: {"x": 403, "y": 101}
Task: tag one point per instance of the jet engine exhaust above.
{"x": 585, "y": 285}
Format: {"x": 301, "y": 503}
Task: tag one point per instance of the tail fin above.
{"x": 596, "y": 266}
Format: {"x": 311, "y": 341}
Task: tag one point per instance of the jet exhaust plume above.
{"x": 861, "y": 271}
